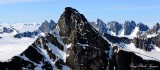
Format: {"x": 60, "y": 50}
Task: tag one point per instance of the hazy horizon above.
{"x": 28, "y": 11}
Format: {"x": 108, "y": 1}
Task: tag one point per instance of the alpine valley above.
{"x": 74, "y": 43}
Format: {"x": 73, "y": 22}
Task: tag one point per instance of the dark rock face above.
{"x": 85, "y": 53}
{"x": 142, "y": 27}
{"x": 114, "y": 39}
{"x": 114, "y": 26}
{"x": 47, "y": 26}
{"x": 123, "y": 60}
{"x": 131, "y": 62}
{"x": 16, "y": 63}
{"x": 153, "y": 31}
{"x": 156, "y": 40}
{"x": 100, "y": 26}
{"x": 147, "y": 44}
{"x": 129, "y": 27}
{"x": 26, "y": 34}
{"x": 144, "y": 43}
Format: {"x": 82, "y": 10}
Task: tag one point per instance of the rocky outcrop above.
{"x": 129, "y": 27}
{"x": 153, "y": 34}
{"x": 142, "y": 27}
{"x": 47, "y": 26}
{"x": 100, "y": 26}
{"x": 7, "y": 30}
{"x": 114, "y": 39}
{"x": 27, "y": 34}
{"x": 114, "y": 26}
{"x": 156, "y": 40}
{"x": 131, "y": 62}
{"x": 144, "y": 43}
{"x": 155, "y": 29}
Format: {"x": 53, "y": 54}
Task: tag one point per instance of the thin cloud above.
{"x": 108, "y": 8}
{"x": 123, "y": 8}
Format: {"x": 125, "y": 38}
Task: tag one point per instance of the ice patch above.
{"x": 135, "y": 31}
{"x": 144, "y": 54}
{"x": 153, "y": 35}
{"x": 69, "y": 45}
{"x": 83, "y": 45}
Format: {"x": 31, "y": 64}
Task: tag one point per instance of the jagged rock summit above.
{"x": 87, "y": 50}
{"x": 72, "y": 44}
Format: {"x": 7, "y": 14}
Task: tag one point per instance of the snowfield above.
{"x": 10, "y": 46}
{"x": 153, "y": 55}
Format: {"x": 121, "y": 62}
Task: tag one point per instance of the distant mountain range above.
{"x": 117, "y": 29}
{"x": 74, "y": 43}
{"x": 27, "y": 30}
{"x": 44, "y": 28}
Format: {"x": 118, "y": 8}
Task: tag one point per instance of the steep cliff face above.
{"x": 144, "y": 43}
{"x": 47, "y": 26}
{"x": 87, "y": 50}
{"x": 129, "y": 27}
{"x": 153, "y": 34}
{"x": 115, "y": 27}
{"x": 124, "y": 60}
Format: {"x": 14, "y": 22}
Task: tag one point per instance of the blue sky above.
{"x": 26, "y": 11}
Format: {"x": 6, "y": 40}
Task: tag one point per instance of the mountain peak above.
{"x": 142, "y": 27}
{"x": 51, "y": 21}
{"x": 71, "y": 20}
{"x": 99, "y": 21}
{"x": 71, "y": 10}
{"x": 45, "y": 21}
